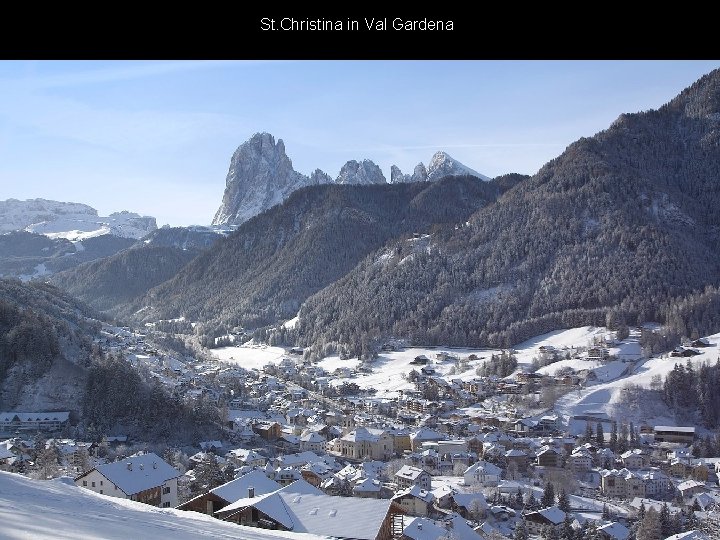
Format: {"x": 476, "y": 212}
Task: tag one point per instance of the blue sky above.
{"x": 156, "y": 137}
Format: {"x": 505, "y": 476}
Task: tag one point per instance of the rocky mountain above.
{"x": 361, "y": 173}
{"x": 263, "y": 272}
{"x": 41, "y": 237}
{"x": 72, "y": 221}
{"x": 419, "y": 174}
{"x": 441, "y": 165}
{"x": 261, "y": 175}
{"x": 622, "y": 226}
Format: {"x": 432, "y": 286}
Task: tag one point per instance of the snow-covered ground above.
{"x": 249, "y": 356}
{"x": 57, "y": 509}
{"x": 604, "y": 397}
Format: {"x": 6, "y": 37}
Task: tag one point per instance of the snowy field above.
{"x": 54, "y": 509}
{"x": 249, "y": 356}
{"x": 604, "y": 397}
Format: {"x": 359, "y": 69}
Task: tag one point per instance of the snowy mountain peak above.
{"x": 260, "y": 176}
{"x": 442, "y": 164}
{"x": 360, "y": 173}
{"x": 73, "y": 221}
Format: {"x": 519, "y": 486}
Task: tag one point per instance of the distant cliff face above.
{"x": 261, "y": 175}
{"x": 361, "y": 173}
{"x": 70, "y": 220}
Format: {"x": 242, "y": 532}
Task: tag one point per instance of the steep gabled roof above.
{"x": 137, "y": 473}
{"x": 238, "y": 488}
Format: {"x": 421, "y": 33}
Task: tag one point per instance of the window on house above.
{"x": 166, "y": 490}
{"x": 84, "y": 483}
{"x": 93, "y": 484}
{"x": 166, "y": 504}
{"x": 101, "y": 482}
{"x": 101, "y": 492}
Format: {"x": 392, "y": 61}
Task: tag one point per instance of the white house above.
{"x": 409, "y": 476}
{"x": 483, "y": 473}
{"x": 144, "y": 477}
{"x": 312, "y": 441}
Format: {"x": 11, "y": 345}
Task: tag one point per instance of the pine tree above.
{"x": 563, "y": 501}
{"x": 650, "y": 527}
{"x": 518, "y": 499}
{"x": 531, "y": 503}
{"x": 641, "y": 511}
{"x": 665, "y": 521}
{"x": 568, "y": 533}
{"x": 614, "y": 437}
{"x": 548, "y": 497}
{"x": 549, "y": 533}
{"x": 605, "y": 511}
{"x": 521, "y": 532}
{"x": 599, "y": 435}
{"x": 588, "y": 432}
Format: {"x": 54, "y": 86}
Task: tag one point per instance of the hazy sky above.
{"x": 156, "y": 137}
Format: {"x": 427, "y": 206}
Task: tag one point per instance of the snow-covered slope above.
{"x": 73, "y": 221}
{"x": 442, "y": 165}
{"x": 57, "y": 509}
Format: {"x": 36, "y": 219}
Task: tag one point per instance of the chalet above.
{"x": 415, "y": 500}
{"x": 581, "y": 460}
{"x": 270, "y": 431}
{"x": 517, "y": 457}
{"x": 483, "y": 473}
{"x": 635, "y": 459}
{"x": 44, "y": 422}
{"x": 690, "y": 488}
{"x": 145, "y": 478}
{"x": 301, "y": 508}
{"x": 548, "y": 456}
{"x": 253, "y": 484}
{"x": 312, "y": 441}
{"x": 702, "y": 342}
{"x": 420, "y": 360}
{"x": 242, "y": 457}
{"x": 423, "y": 529}
{"x": 551, "y": 517}
{"x": 613, "y": 531}
{"x": 409, "y": 476}
{"x": 367, "y": 488}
